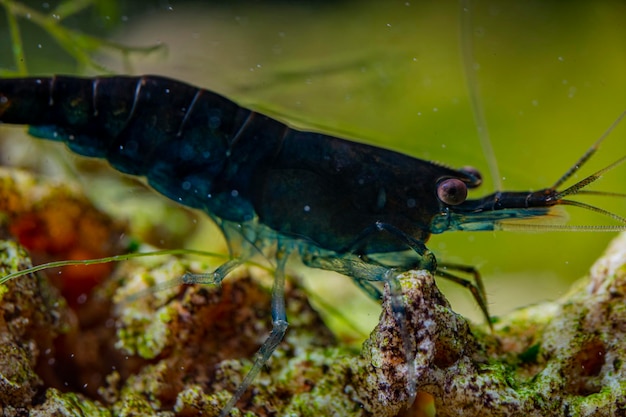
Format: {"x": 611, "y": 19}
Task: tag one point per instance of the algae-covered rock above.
{"x": 552, "y": 359}
{"x": 31, "y": 318}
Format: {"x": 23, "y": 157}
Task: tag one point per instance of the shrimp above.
{"x": 360, "y": 210}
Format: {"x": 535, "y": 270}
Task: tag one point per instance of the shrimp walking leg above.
{"x": 211, "y": 278}
{"x": 477, "y": 288}
{"x": 236, "y": 240}
{"x": 279, "y": 328}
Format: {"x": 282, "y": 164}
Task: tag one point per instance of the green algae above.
{"x": 68, "y": 404}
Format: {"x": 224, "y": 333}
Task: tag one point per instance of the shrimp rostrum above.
{"x": 360, "y": 210}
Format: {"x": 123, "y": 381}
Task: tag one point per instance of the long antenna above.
{"x": 471, "y": 81}
{"x": 589, "y": 153}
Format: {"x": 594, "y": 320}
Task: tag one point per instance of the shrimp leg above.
{"x": 279, "y": 328}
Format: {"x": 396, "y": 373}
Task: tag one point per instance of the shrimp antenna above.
{"x": 578, "y": 189}
{"x": 592, "y": 150}
{"x": 471, "y": 81}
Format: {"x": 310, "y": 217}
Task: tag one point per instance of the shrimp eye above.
{"x": 452, "y": 191}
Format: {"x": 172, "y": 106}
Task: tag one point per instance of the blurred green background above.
{"x": 551, "y": 76}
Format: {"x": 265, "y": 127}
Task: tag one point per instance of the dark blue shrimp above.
{"x": 342, "y": 205}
